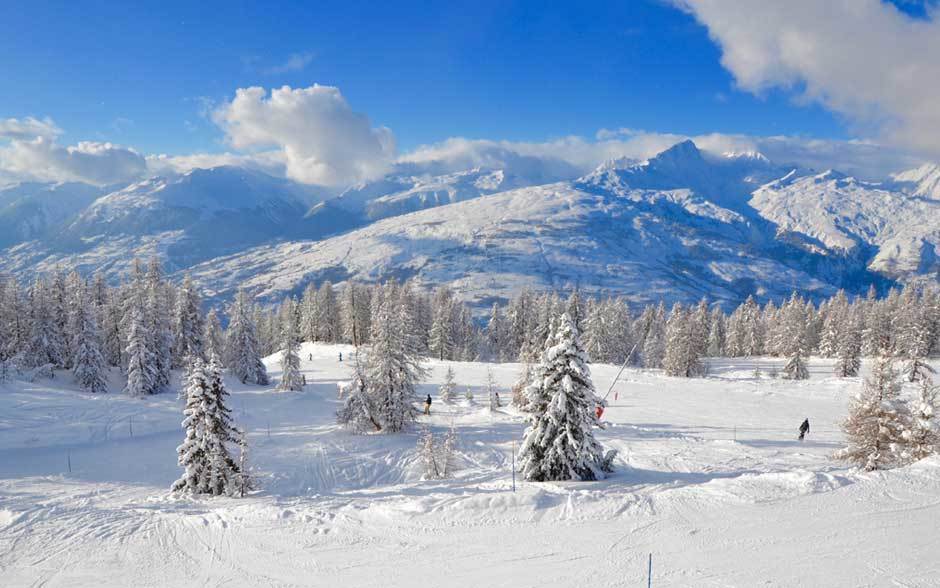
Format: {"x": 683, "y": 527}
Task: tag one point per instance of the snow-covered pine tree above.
{"x": 518, "y": 317}
{"x": 496, "y": 334}
{"x": 442, "y": 325}
{"x": 192, "y": 452}
{"x": 875, "y": 427}
{"x": 559, "y": 442}
{"x": 291, "y": 378}
{"x": 111, "y": 315}
{"x": 700, "y": 327}
{"x": 57, "y": 305}
{"x": 212, "y": 336}
{"x": 834, "y": 324}
{"x": 157, "y": 320}
{"x": 682, "y": 357}
{"x": 654, "y": 344}
{"x": 355, "y": 312}
{"x": 394, "y": 367}
{"x": 357, "y": 410}
{"x": 575, "y": 308}
{"x": 187, "y": 325}
{"x": 468, "y": 394}
{"x": 43, "y": 343}
{"x": 446, "y": 391}
{"x": 848, "y": 346}
{"x": 142, "y": 374}
{"x": 328, "y": 309}
{"x": 309, "y": 314}
{"x": 914, "y": 335}
{"x": 88, "y": 364}
{"x": 220, "y": 432}
{"x": 923, "y": 435}
{"x": 244, "y": 354}
{"x": 716, "y": 334}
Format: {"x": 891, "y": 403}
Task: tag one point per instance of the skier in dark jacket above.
{"x": 427, "y": 405}
{"x": 804, "y": 428}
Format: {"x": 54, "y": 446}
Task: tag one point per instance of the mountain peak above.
{"x": 746, "y": 155}
{"x": 682, "y": 152}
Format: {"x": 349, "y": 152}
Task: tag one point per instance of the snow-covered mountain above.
{"x": 33, "y": 210}
{"x": 894, "y": 233}
{"x": 186, "y": 218}
{"x": 402, "y": 194}
{"x": 681, "y": 225}
{"x": 923, "y": 181}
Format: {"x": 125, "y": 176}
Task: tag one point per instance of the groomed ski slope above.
{"x": 711, "y": 480}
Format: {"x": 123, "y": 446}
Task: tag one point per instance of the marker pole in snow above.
{"x": 68, "y": 457}
{"x": 513, "y": 466}
{"x": 130, "y": 425}
{"x": 649, "y": 572}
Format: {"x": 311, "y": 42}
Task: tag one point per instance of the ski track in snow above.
{"x": 710, "y": 480}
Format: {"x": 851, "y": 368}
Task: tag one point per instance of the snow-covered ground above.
{"x": 711, "y": 480}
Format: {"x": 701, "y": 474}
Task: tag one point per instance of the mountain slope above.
{"x": 34, "y": 210}
{"x": 642, "y": 243}
{"x": 894, "y": 233}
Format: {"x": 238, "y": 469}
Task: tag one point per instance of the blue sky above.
{"x": 140, "y": 75}
{"x": 149, "y": 75}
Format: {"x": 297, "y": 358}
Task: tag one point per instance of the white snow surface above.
{"x": 710, "y": 479}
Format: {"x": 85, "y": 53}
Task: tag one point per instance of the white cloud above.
{"x": 28, "y": 128}
{"x": 270, "y": 162}
{"x": 572, "y": 156}
{"x": 322, "y": 139}
{"x": 295, "y": 62}
{"x": 34, "y": 154}
{"x": 863, "y": 59}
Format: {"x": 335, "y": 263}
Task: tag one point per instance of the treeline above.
{"x": 147, "y": 326}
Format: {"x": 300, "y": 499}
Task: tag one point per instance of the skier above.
{"x": 804, "y": 428}
{"x": 341, "y": 357}
{"x": 310, "y": 357}
{"x": 427, "y": 405}
{"x": 497, "y": 399}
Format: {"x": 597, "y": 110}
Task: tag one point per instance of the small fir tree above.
{"x": 447, "y": 388}
{"x": 795, "y": 368}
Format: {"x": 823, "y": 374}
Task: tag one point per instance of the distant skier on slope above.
{"x": 804, "y": 428}
{"x": 427, "y": 405}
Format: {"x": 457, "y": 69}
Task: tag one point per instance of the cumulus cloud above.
{"x": 32, "y": 153}
{"x": 28, "y": 128}
{"x": 863, "y": 59}
{"x": 322, "y": 139}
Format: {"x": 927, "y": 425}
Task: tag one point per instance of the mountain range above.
{"x": 679, "y": 226}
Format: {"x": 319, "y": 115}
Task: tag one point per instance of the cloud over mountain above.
{"x": 322, "y": 139}
{"x": 864, "y": 59}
